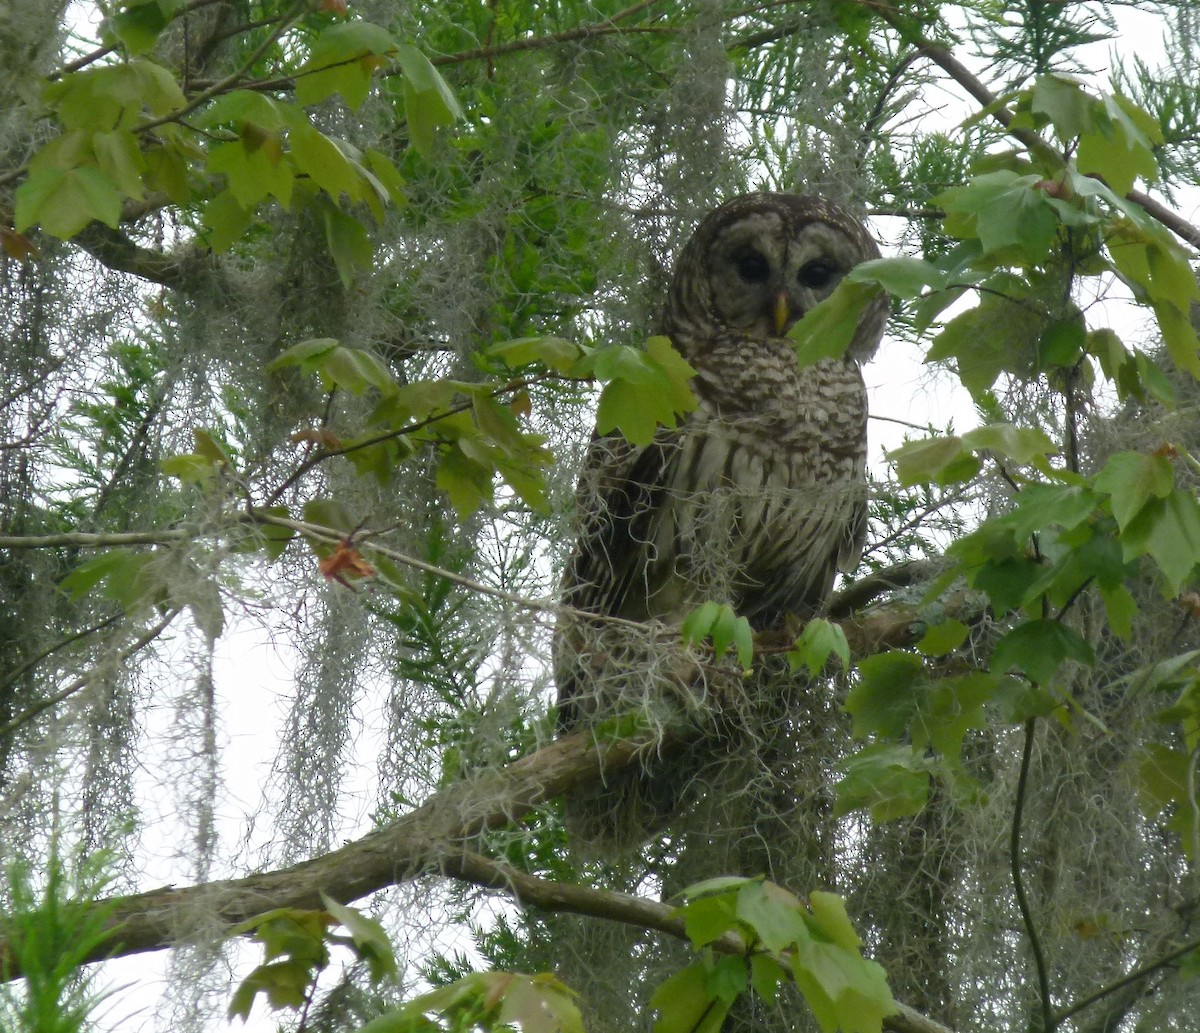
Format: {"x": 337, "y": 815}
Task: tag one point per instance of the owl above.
{"x": 757, "y": 499}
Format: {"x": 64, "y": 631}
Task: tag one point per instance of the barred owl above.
{"x": 757, "y": 500}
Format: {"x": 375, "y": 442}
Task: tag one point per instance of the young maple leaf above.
{"x": 345, "y": 561}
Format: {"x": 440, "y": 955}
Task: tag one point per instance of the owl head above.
{"x": 758, "y": 263}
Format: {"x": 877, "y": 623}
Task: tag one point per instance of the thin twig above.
{"x": 607, "y": 27}
{"x": 234, "y": 78}
{"x": 1018, "y": 880}
{"x": 95, "y": 540}
{"x": 12, "y": 724}
{"x": 14, "y": 676}
{"x": 1125, "y": 980}
{"x": 410, "y": 428}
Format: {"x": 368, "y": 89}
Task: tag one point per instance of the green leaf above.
{"x": 1168, "y": 530}
{"x": 129, "y": 579}
{"x": 1132, "y": 480}
{"x": 307, "y": 354}
{"x": 121, "y": 161}
{"x": 189, "y": 467}
{"x": 845, "y": 991}
{"x": 1039, "y": 648}
{"x": 829, "y": 919}
{"x": 1118, "y": 147}
{"x": 675, "y": 372}
{"x": 826, "y": 331}
{"x": 348, "y": 244}
{"x": 1022, "y": 445}
{"x": 1120, "y": 608}
{"x": 709, "y": 918}
{"x": 1068, "y": 107}
{"x": 285, "y": 984}
{"x": 272, "y": 539}
{"x": 885, "y": 697}
{"x": 766, "y": 976}
{"x": 644, "y": 389}
{"x": 386, "y": 175}
{"x": 239, "y": 106}
{"x": 352, "y": 369}
{"x": 819, "y": 639}
{"x": 900, "y": 277}
{"x": 227, "y": 221}
{"x": 685, "y": 1003}
{"x": 370, "y": 941}
{"x": 554, "y": 352}
{"x": 1163, "y": 784}
{"x": 319, "y": 158}
{"x": 64, "y": 201}
{"x": 1039, "y": 506}
{"x": 138, "y": 27}
{"x": 428, "y": 100}
{"x": 889, "y": 781}
{"x": 343, "y": 60}
{"x": 773, "y": 915}
{"x": 539, "y": 1004}
{"x": 730, "y": 630}
{"x": 944, "y": 638}
{"x": 719, "y": 622}
{"x": 1062, "y": 342}
{"x": 1179, "y": 335}
{"x": 467, "y": 482}
{"x": 943, "y": 460}
{"x": 1008, "y": 213}
{"x": 331, "y": 513}
{"x": 714, "y": 887}
{"x": 253, "y": 171}
{"x": 950, "y": 708}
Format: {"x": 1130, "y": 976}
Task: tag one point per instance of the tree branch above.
{"x": 962, "y": 75}
{"x": 545, "y": 895}
{"x": 435, "y": 838}
{"x": 426, "y": 840}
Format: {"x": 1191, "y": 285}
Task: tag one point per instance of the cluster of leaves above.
{"x": 296, "y": 946}
{"x": 1029, "y": 225}
{"x": 129, "y": 130}
{"x": 487, "y": 1001}
{"x": 780, "y": 940}
{"x": 812, "y": 944}
{"x": 477, "y": 438}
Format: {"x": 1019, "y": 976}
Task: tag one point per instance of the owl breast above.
{"x": 764, "y": 502}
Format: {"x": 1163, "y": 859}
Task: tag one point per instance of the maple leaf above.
{"x": 345, "y": 561}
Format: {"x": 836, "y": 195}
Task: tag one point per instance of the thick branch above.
{"x": 436, "y": 837}
{"x": 186, "y": 271}
{"x": 431, "y": 838}
{"x": 425, "y": 840}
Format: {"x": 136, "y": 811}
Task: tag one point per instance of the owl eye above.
{"x": 752, "y": 267}
{"x": 816, "y": 274}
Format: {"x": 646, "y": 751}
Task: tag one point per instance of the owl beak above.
{"x": 782, "y": 313}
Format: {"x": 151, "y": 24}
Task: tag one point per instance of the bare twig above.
{"x": 1129, "y": 979}
{"x": 1018, "y": 880}
{"x": 53, "y": 700}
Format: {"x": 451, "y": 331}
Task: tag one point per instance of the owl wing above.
{"x": 621, "y": 493}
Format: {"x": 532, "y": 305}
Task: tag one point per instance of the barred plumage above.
{"x": 758, "y": 499}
